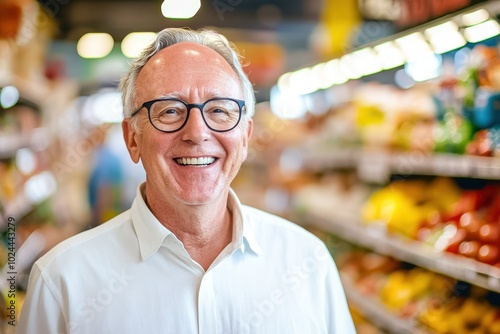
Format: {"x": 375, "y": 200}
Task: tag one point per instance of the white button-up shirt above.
{"x": 132, "y": 275}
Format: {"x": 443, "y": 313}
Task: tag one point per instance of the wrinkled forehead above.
{"x": 184, "y": 66}
{"x": 187, "y": 56}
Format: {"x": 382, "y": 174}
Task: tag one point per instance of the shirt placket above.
{"x": 207, "y": 318}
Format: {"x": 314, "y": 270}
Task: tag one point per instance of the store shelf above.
{"x": 375, "y": 312}
{"x": 377, "y": 166}
{"x": 36, "y": 189}
{"x": 376, "y": 238}
{"x": 10, "y": 143}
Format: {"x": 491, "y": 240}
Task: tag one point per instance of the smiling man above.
{"x": 187, "y": 257}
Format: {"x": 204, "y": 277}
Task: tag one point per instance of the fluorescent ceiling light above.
{"x": 301, "y": 82}
{"x": 445, "y": 37}
{"x": 184, "y": 9}
{"x": 414, "y": 46}
{"x": 366, "y": 61}
{"x": 95, "y": 45}
{"x": 389, "y": 55}
{"x": 283, "y": 82}
{"x": 332, "y": 71}
{"x": 320, "y": 76}
{"x": 482, "y": 31}
{"x": 135, "y": 42}
{"x": 348, "y": 67}
{"x": 476, "y": 17}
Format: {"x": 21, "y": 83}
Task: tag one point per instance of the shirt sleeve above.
{"x": 340, "y": 316}
{"x": 41, "y": 313}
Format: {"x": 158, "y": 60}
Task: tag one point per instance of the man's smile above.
{"x": 201, "y": 162}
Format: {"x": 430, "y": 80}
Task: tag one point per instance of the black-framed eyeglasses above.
{"x": 171, "y": 114}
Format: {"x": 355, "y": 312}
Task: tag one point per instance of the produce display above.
{"x": 418, "y": 168}
{"x": 431, "y": 302}
{"x": 440, "y": 214}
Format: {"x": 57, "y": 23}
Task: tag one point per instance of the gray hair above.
{"x": 170, "y": 36}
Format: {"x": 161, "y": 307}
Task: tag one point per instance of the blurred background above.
{"x": 377, "y": 127}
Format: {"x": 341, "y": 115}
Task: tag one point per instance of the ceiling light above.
{"x": 301, "y": 82}
{"x": 348, "y": 67}
{"x": 95, "y": 45}
{"x": 390, "y": 55}
{"x": 414, "y": 46}
{"x": 482, "y": 31}
{"x": 321, "y": 77}
{"x": 332, "y": 71}
{"x": 135, "y": 42}
{"x": 366, "y": 61}
{"x": 184, "y": 9}
{"x": 475, "y": 17}
{"x": 445, "y": 37}
{"x": 283, "y": 82}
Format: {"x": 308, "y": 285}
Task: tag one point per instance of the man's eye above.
{"x": 169, "y": 112}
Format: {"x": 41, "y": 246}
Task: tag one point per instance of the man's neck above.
{"x": 205, "y": 230}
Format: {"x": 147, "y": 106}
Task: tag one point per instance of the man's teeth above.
{"x": 195, "y": 161}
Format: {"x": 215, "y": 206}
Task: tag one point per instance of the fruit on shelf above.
{"x": 393, "y": 207}
{"x": 456, "y": 240}
{"x": 460, "y": 316}
{"x": 471, "y": 223}
{"x": 482, "y": 144}
{"x": 493, "y": 211}
{"x": 491, "y": 321}
{"x": 489, "y": 254}
{"x": 453, "y": 134}
{"x": 440, "y": 215}
{"x": 469, "y": 249}
{"x": 490, "y": 233}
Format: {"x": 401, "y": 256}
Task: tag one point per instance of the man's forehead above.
{"x": 186, "y": 52}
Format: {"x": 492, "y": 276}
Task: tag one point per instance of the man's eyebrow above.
{"x": 171, "y": 95}
{"x": 180, "y": 96}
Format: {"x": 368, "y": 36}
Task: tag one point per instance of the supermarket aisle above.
{"x": 375, "y": 129}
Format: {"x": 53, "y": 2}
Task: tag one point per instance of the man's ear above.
{"x": 131, "y": 138}
{"x": 249, "y": 129}
{"x": 246, "y": 140}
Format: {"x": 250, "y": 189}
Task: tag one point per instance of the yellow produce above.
{"x": 472, "y": 311}
{"x": 444, "y": 193}
{"x": 393, "y": 207}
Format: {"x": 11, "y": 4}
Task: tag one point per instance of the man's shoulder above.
{"x": 86, "y": 243}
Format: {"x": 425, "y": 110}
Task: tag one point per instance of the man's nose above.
{"x": 195, "y": 130}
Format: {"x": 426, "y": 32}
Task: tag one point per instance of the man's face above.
{"x": 192, "y": 73}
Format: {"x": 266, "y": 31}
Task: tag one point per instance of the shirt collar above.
{"x": 243, "y": 233}
{"x": 151, "y": 233}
